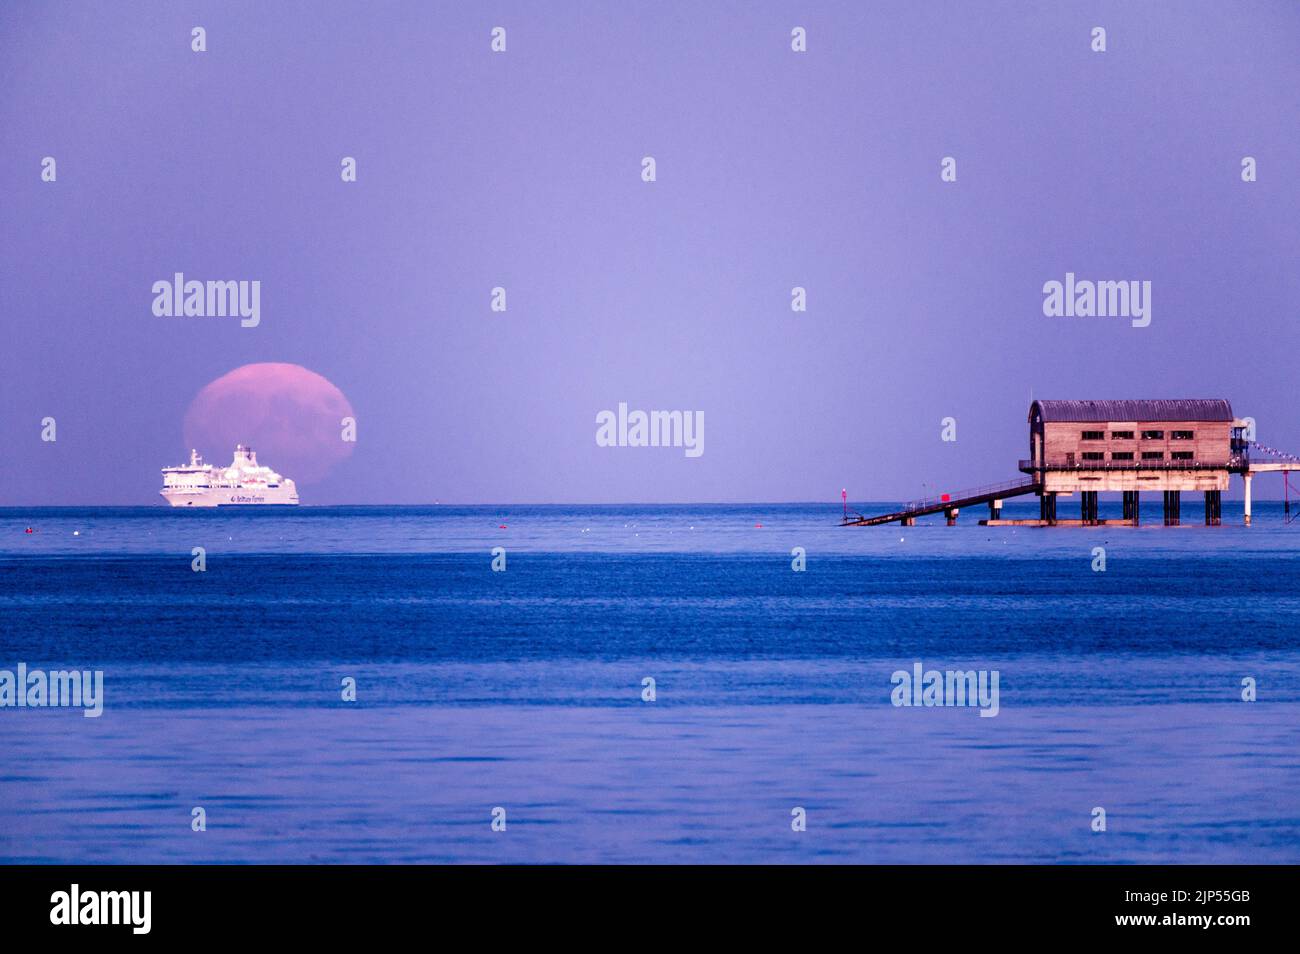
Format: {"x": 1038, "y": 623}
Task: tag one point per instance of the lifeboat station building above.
{"x": 1131, "y": 448}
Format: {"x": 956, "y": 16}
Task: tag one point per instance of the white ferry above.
{"x": 244, "y": 483}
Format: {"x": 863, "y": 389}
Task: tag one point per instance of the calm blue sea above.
{"x": 523, "y": 690}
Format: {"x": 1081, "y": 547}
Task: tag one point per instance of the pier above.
{"x": 1087, "y": 448}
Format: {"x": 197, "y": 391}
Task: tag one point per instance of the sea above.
{"x": 649, "y": 684}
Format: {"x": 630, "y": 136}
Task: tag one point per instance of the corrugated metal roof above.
{"x": 1099, "y": 412}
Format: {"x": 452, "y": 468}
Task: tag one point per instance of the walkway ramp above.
{"x": 1273, "y": 460}
{"x": 944, "y": 502}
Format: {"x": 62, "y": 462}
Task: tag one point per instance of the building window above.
{"x": 1122, "y": 455}
{"x": 1180, "y": 455}
{"x": 1094, "y": 435}
{"x": 1093, "y": 455}
{"x": 1121, "y": 435}
{"x": 1153, "y": 455}
{"x": 1181, "y": 435}
{"x": 1153, "y": 435}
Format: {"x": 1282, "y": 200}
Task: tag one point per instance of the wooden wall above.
{"x": 1212, "y": 443}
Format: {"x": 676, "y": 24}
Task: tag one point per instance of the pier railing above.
{"x": 1029, "y": 465}
{"x": 951, "y": 501}
{"x": 955, "y": 499}
{"x": 1271, "y": 454}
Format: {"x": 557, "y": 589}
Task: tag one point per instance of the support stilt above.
{"x": 1213, "y": 508}
{"x": 1247, "y": 477}
{"x": 1173, "y": 506}
{"x": 1047, "y": 508}
{"x": 1088, "y": 507}
{"x": 1131, "y": 506}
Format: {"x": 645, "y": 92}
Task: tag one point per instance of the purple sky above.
{"x": 522, "y": 169}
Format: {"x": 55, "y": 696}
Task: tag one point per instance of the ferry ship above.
{"x": 244, "y": 483}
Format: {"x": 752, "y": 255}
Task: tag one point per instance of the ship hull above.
{"x": 232, "y": 497}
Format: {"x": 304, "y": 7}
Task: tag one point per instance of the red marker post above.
{"x": 844, "y": 494}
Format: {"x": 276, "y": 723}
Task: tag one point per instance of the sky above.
{"x": 523, "y": 170}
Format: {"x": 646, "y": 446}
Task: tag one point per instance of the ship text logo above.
{"x": 179, "y": 298}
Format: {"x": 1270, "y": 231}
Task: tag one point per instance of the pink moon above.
{"x": 291, "y": 416}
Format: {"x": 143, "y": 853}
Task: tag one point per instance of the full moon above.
{"x": 292, "y": 418}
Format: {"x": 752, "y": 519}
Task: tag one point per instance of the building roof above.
{"x": 1100, "y": 412}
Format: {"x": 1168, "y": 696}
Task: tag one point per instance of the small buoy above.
{"x": 502, "y": 527}
{"x": 900, "y": 539}
{"x": 28, "y": 530}
{"x": 76, "y": 533}
{"x": 758, "y": 526}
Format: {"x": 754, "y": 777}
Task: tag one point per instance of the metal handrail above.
{"x": 938, "y": 501}
{"x": 1133, "y": 465}
{"x": 1272, "y": 452}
